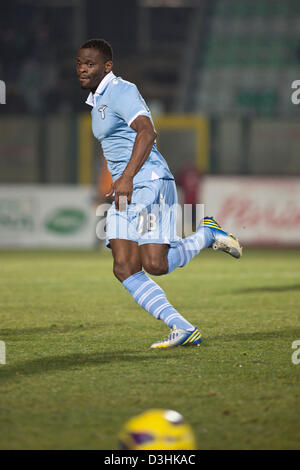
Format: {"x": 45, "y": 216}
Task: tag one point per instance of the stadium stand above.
{"x": 251, "y": 55}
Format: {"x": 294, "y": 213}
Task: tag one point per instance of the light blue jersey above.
{"x": 116, "y": 104}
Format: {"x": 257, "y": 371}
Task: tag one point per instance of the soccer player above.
{"x": 122, "y": 122}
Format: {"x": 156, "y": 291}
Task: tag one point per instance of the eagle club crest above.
{"x": 101, "y": 110}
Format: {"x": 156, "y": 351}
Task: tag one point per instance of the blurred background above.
{"x": 218, "y": 76}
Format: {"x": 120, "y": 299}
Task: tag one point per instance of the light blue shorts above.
{"x": 149, "y": 218}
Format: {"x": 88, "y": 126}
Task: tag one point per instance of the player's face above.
{"x": 91, "y": 68}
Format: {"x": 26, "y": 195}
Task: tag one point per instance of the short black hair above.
{"x": 103, "y": 46}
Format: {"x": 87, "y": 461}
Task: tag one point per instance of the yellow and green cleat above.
{"x": 222, "y": 240}
{"x": 179, "y": 338}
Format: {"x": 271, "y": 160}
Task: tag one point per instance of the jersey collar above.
{"x": 101, "y": 87}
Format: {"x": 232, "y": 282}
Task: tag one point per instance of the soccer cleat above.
{"x": 222, "y": 240}
{"x": 179, "y": 338}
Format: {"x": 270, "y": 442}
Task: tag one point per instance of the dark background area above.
{"x": 230, "y": 62}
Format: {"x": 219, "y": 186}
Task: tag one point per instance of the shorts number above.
{"x": 151, "y": 222}
{"x": 147, "y": 222}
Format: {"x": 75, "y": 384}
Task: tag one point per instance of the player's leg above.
{"x": 149, "y": 295}
{"x": 158, "y": 259}
{"x": 154, "y": 258}
{"x": 128, "y": 270}
{"x": 161, "y": 250}
{"x": 121, "y": 236}
{"x": 181, "y": 253}
{"x": 209, "y": 234}
{"x": 126, "y": 257}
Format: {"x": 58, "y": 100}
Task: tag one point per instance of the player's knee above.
{"x": 123, "y": 269}
{"x": 156, "y": 267}
{"x": 120, "y": 270}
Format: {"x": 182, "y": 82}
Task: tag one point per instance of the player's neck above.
{"x": 95, "y": 88}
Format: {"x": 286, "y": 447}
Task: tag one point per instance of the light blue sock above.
{"x": 189, "y": 247}
{"x": 152, "y": 298}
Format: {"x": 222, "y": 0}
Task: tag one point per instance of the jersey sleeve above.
{"x": 129, "y": 104}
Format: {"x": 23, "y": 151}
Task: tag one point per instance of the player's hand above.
{"x": 123, "y": 189}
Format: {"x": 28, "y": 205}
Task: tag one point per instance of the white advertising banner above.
{"x": 258, "y": 210}
{"x": 47, "y": 216}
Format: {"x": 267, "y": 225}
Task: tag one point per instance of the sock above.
{"x": 152, "y": 298}
{"x": 189, "y": 247}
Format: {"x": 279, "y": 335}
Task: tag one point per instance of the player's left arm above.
{"x": 145, "y": 137}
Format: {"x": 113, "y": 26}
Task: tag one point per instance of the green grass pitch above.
{"x": 78, "y": 362}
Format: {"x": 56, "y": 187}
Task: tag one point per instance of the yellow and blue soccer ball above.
{"x": 157, "y": 429}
